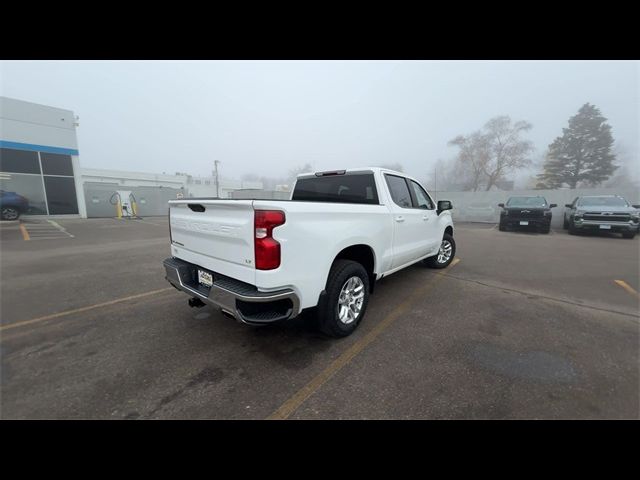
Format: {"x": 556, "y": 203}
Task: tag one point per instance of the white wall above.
{"x": 126, "y": 178}
{"x": 144, "y": 179}
{"x": 26, "y": 122}
{"x": 474, "y": 206}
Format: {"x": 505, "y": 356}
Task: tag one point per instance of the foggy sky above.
{"x": 267, "y": 117}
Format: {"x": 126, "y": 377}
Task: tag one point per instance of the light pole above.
{"x": 216, "y": 162}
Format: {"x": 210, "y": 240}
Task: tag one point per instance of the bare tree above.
{"x": 472, "y": 159}
{"x": 507, "y": 150}
{"x": 487, "y": 155}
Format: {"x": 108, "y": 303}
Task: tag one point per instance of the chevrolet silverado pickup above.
{"x": 262, "y": 261}
{"x": 526, "y": 212}
{"x": 610, "y": 213}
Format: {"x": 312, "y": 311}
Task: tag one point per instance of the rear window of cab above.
{"x": 345, "y": 188}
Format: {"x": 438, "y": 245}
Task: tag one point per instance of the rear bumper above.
{"x": 241, "y": 300}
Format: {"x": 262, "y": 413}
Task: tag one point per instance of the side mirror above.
{"x": 553, "y": 205}
{"x": 444, "y": 205}
{"x": 635, "y": 206}
{"x": 568, "y": 205}
{"x": 501, "y": 205}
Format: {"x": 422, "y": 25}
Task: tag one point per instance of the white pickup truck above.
{"x": 262, "y": 261}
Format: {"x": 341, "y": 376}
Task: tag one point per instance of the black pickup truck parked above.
{"x": 526, "y": 212}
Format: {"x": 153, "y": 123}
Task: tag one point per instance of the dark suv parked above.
{"x": 526, "y": 212}
{"x": 609, "y": 213}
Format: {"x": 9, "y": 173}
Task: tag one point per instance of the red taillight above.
{"x": 267, "y": 249}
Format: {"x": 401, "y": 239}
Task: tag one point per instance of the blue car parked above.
{"x": 12, "y": 205}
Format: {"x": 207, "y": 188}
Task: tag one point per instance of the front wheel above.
{"x": 628, "y": 234}
{"x": 347, "y": 295}
{"x": 10, "y": 213}
{"x": 445, "y": 254}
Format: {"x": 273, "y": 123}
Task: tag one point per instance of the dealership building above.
{"x": 40, "y": 171}
{"x": 39, "y": 162}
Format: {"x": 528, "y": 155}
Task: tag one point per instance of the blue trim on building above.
{"x": 38, "y": 148}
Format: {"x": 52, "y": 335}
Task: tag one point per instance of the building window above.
{"x": 23, "y": 192}
{"x": 37, "y": 183}
{"x": 54, "y": 164}
{"x": 61, "y": 195}
{"x": 19, "y": 161}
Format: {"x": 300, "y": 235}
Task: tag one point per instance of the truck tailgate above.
{"x": 215, "y": 234}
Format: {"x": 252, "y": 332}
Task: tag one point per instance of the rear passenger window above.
{"x": 399, "y": 191}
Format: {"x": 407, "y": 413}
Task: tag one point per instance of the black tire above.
{"x": 502, "y": 227}
{"x": 328, "y": 315}
{"x": 565, "y": 224}
{"x": 545, "y": 229}
{"x": 432, "y": 262}
{"x": 572, "y": 228}
{"x": 628, "y": 235}
{"x": 10, "y": 213}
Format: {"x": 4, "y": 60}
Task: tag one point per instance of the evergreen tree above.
{"x": 583, "y": 153}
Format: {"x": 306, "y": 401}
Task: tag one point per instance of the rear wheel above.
{"x": 10, "y": 213}
{"x": 347, "y": 295}
{"x": 445, "y": 254}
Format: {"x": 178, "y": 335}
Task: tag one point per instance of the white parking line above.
{"x": 59, "y": 228}
{"x": 45, "y": 231}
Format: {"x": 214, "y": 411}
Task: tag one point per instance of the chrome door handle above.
{"x": 400, "y": 219}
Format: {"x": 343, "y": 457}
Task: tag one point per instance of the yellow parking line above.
{"x": 83, "y": 309}
{"x": 628, "y": 288}
{"x": 292, "y": 404}
{"x": 25, "y": 234}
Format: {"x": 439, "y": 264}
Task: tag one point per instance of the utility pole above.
{"x": 216, "y": 162}
{"x": 435, "y": 182}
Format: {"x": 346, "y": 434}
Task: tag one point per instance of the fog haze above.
{"x": 267, "y": 117}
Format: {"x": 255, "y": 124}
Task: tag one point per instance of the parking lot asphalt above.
{"x": 524, "y": 325}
